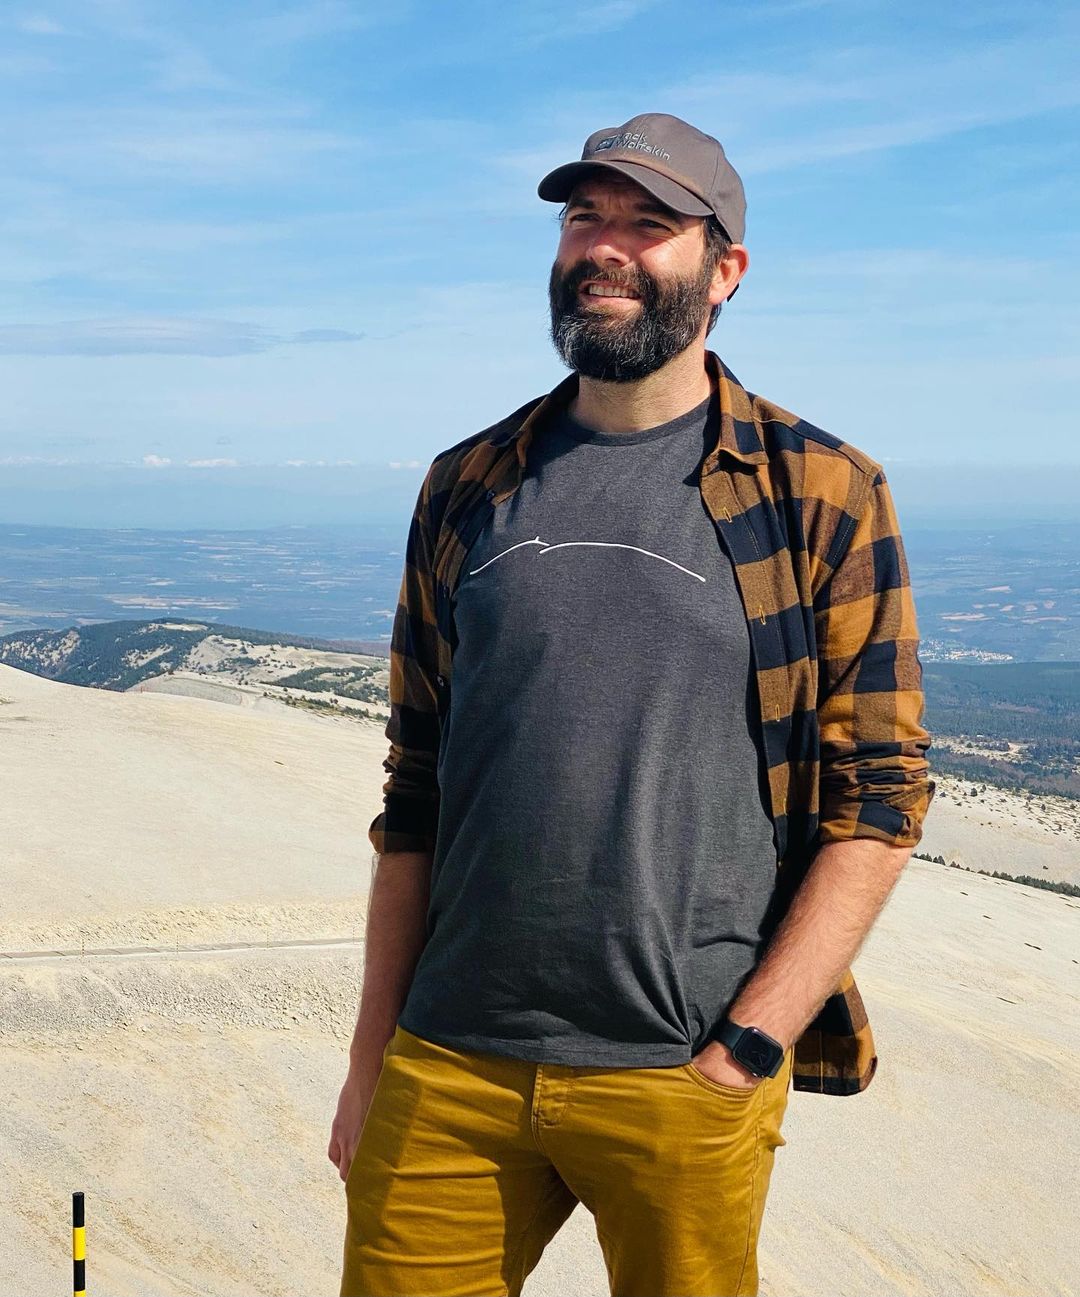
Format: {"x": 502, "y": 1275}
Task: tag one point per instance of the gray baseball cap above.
{"x": 683, "y": 167}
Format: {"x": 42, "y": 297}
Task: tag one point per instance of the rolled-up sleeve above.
{"x": 410, "y": 813}
{"x": 874, "y": 772}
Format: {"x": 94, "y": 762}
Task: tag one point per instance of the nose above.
{"x": 604, "y": 248}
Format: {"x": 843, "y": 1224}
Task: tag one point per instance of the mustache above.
{"x": 632, "y": 278}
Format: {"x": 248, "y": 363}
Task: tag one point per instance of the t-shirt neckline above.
{"x": 691, "y": 419}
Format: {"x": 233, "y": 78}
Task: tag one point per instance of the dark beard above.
{"x": 623, "y": 351}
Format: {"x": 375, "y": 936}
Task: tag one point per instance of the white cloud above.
{"x": 325, "y": 335}
{"x": 180, "y": 138}
{"x": 318, "y": 463}
{"x": 318, "y": 19}
{"x": 173, "y": 336}
{"x": 543, "y": 23}
{"x": 16, "y": 461}
{"x": 156, "y": 461}
{"x": 39, "y": 25}
{"x": 875, "y": 97}
{"x": 797, "y": 106}
{"x": 212, "y": 463}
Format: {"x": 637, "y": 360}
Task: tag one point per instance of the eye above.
{"x": 655, "y": 225}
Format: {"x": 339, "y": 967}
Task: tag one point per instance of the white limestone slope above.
{"x": 122, "y": 806}
{"x": 189, "y": 1093}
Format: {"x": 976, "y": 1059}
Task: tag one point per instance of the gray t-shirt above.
{"x": 605, "y": 858}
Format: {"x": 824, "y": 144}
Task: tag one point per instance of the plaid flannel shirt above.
{"x": 809, "y": 524}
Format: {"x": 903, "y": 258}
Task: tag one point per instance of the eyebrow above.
{"x": 657, "y": 208}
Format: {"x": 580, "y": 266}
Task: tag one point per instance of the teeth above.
{"x": 605, "y": 290}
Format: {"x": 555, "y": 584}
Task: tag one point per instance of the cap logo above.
{"x": 633, "y": 140}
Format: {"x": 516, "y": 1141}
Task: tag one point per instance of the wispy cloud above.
{"x": 223, "y": 145}
{"x": 26, "y": 67}
{"x": 554, "y": 22}
{"x": 791, "y": 104}
{"x": 40, "y": 25}
{"x": 788, "y": 117}
{"x": 320, "y": 19}
{"x": 162, "y": 337}
{"x": 524, "y": 29}
{"x": 325, "y": 335}
{"x": 26, "y": 461}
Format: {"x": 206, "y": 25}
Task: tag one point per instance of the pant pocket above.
{"x": 740, "y": 1094}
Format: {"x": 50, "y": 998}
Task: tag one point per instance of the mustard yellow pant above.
{"x": 469, "y": 1163}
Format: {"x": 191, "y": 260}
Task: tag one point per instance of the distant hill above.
{"x": 121, "y": 654}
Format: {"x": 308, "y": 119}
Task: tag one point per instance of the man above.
{"x": 656, "y": 763}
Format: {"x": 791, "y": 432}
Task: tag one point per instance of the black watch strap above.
{"x": 753, "y": 1048}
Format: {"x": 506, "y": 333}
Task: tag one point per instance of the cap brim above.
{"x": 557, "y": 185}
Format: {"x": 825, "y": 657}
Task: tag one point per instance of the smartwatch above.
{"x": 750, "y": 1046}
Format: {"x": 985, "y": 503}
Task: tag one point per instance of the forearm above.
{"x": 826, "y": 924}
{"x": 395, "y": 935}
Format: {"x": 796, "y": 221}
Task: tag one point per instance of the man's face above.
{"x": 630, "y": 286}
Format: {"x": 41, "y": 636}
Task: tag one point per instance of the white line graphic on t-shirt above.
{"x": 603, "y": 544}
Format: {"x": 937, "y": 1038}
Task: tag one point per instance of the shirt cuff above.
{"x": 406, "y": 824}
{"x": 898, "y": 821}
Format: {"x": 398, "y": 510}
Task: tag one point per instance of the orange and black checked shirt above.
{"x": 809, "y": 524}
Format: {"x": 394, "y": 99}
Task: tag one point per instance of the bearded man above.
{"x": 656, "y": 762}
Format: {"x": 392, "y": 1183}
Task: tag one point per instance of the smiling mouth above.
{"x": 609, "y": 290}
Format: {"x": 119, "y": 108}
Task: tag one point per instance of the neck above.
{"x": 672, "y": 390}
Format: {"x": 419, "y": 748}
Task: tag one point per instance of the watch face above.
{"x": 756, "y": 1052}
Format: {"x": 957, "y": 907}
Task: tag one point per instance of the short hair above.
{"x": 717, "y": 246}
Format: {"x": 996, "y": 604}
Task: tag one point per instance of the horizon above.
{"x": 381, "y": 499}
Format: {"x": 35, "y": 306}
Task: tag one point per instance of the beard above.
{"x": 598, "y": 344}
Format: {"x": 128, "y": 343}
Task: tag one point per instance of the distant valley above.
{"x": 997, "y": 595}
{"x": 1003, "y": 595}
{"x": 338, "y": 583}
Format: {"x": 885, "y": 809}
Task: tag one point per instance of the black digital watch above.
{"x": 750, "y": 1046}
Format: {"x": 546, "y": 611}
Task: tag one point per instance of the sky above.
{"x": 262, "y": 262}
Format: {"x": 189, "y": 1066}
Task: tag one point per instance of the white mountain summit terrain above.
{"x": 182, "y": 899}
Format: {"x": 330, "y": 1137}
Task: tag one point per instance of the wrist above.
{"x": 367, "y": 1048}
{"x": 751, "y": 1048}
{"x": 770, "y": 1023}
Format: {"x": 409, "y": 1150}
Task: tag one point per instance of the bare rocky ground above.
{"x": 188, "y": 1093}
{"x": 989, "y": 828}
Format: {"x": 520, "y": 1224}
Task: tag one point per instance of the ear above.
{"x": 729, "y": 270}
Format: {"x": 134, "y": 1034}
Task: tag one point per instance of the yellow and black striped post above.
{"x": 78, "y": 1244}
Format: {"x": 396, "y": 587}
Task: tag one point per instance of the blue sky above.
{"x": 249, "y": 239}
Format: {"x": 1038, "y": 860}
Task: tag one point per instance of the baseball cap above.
{"x": 683, "y": 167}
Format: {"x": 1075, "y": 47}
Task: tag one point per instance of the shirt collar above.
{"x": 739, "y": 434}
